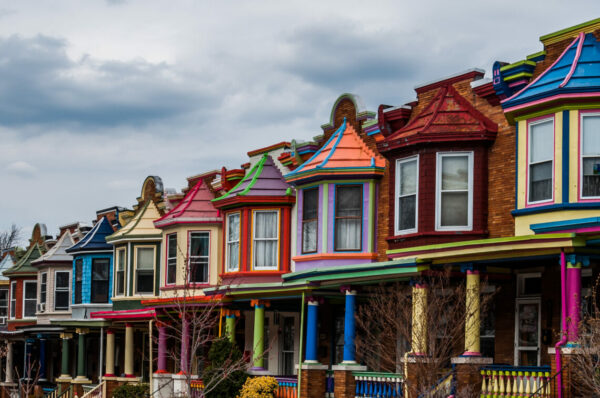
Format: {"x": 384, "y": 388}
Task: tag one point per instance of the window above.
{"x": 61, "y": 291}
{"x": 541, "y": 158}
{"x": 120, "y": 274}
{"x": 348, "y": 217}
{"x": 265, "y": 239}
{"x": 29, "y": 298}
{"x": 3, "y": 306}
{"x": 407, "y": 181}
{"x": 590, "y": 156}
{"x": 78, "y": 281}
{"x": 43, "y": 287}
{"x": 171, "y": 258}
{"x": 13, "y": 300}
{"x": 100, "y": 277}
{"x": 454, "y": 191}
{"x": 310, "y": 214}
{"x": 233, "y": 242}
{"x": 198, "y": 257}
{"x": 145, "y": 270}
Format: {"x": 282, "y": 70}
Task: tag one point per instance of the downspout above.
{"x": 300, "y": 348}
{"x": 563, "y": 340}
{"x": 101, "y": 359}
{"x": 150, "y": 352}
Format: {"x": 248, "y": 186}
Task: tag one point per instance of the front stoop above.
{"x": 313, "y": 380}
{"x": 345, "y": 384}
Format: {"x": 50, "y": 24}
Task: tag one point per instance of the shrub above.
{"x": 132, "y": 391}
{"x": 222, "y": 354}
{"x": 259, "y": 387}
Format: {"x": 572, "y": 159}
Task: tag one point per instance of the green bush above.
{"x": 132, "y": 391}
{"x": 259, "y": 387}
{"x": 222, "y": 351}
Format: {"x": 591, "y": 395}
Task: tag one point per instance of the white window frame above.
{"x": 276, "y": 266}
{"x": 438, "y": 191}
{"x": 13, "y": 301}
{"x": 529, "y": 146}
{"x": 227, "y": 242}
{"x": 68, "y": 290}
{"x": 25, "y": 283}
{"x": 397, "y": 230}
{"x": 581, "y": 156}
{"x": 116, "y": 273}
{"x": 521, "y": 283}
{"x": 43, "y": 300}
{"x": 135, "y": 262}
{"x": 167, "y": 258}
{"x": 189, "y": 261}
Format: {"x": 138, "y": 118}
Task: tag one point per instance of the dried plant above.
{"x": 9, "y": 238}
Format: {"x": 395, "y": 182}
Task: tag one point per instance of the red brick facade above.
{"x": 16, "y": 322}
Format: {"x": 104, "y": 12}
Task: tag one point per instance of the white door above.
{"x": 527, "y": 332}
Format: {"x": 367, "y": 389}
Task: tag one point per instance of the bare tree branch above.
{"x": 9, "y": 239}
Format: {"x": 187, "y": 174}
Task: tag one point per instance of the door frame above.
{"x": 528, "y": 300}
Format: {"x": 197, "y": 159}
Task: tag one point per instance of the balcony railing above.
{"x": 288, "y": 387}
{"x": 378, "y": 385}
{"x": 522, "y": 381}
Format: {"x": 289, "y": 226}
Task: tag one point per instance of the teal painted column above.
{"x": 259, "y": 338}
{"x": 64, "y": 370}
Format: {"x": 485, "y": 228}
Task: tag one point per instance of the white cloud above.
{"x": 21, "y": 169}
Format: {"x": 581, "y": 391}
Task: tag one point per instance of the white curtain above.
{"x": 265, "y": 239}
{"x": 348, "y": 216}
{"x": 233, "y": 242}
{"x": 309, "y": 236}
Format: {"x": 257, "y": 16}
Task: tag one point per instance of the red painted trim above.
{"x": 285, "y": 238}
{"x": 249, "y": 200}
{"x": 189, "y": 202}
{"x": 244, "y": 237}
{"x": 259, "y": 151}
{"x": 167, "y": 258}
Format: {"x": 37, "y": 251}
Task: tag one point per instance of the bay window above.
{"x": 144, "y": 270}
{"x": 120, "y": 274}
{"x": 348, "y": 217}
{"x": 454, "y": 191}
{"x": 100, "y": 279}
{"x": 541, "y": 160}
{"x": 171, "y": 258}
{"x": 407, "y": 181}
{"x": 61, "y": 291}
{"x": 590, "y": 156}
{"x": 78, "y": 281}
{"x": 265, "y": 239}
{"x": 310, "y": 212}
{"x": 233, "y": 242}
{"x": 198, "y": 257}
{"x": 29, "y": 298}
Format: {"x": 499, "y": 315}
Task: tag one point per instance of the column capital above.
{"x": 347, "y": 289}
{"x": 66, "y": 336}
{"x": 82, "y": 331}
{"x": 260, "y": 303}
{"x": 577, "y": 261}
{"x": 231, "y": 313}
{"x": 312, "y": 300}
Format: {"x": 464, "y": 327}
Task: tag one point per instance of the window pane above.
{"x": 455, "y": 172}
{"x": 591, "y": 180}
{"x": 233, "y": 229}
{"x": 78, "y": 270}
{"x": 408, "y": 177}
{"x": 100, "y": 269}
{"x": 171, "y": 270}
{"x": 348, "y": 214}
{"x": 265, "y": 225}
{"x": 347, "y": 234}
{"x": 310, "y": 204}
{"x": 121, "y": 261}
{"x": 455, "y": 207}
{"x": 348, "y": 201}
{"x": 199, "y": 244}
{"x": 232, "y": 255}
{"x": 407, "y": 212}
{"x": 541, "y": 142}
{"x": 30, "y": 291}
{"x": 145, "y": 258}
{"x": 540, "y": 184}
{"x": 62, "y": 280}
{"x": 591, "y": 135}
{"x": 309, "y": 236}
{"x": 265, "y": 253}
{"x": 120, "y": 282}
{"x": 172, "y": 243}
{"x": 145, "y": 282}
{"x": 199, "y": 271}
{"x": 61, "y": 300}
{"x": 100, "y": 273}
{"x": 29, "y": 308}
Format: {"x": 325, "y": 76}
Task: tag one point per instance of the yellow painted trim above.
{"x": 278, "y": 210}
{"x": 558, "y": 119}
{"x": 472, "y": 318}
{"x": 522, "y": 164}
{"x": 419, "y": 320}
{"x": 523, "y": 222}
{"x": 573, "y": 156}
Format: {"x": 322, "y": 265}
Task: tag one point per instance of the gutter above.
{"x": 563, "y": 340}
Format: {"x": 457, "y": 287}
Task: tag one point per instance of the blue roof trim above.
{"x": 374, "y": 132}
{"x": 95, "y": 239}
{"x": 340, "y": 134}
{"x": 556, "y": 207}
{"x": 565, "y": 224}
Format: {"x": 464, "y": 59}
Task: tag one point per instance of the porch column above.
{"x": 81, "y": 377}
{"x": 312, "y": 322}
{"x": 162, "y": 348}
{"x": 110, "y": 353}
{"x": 64, "y": 370}
{"x": 185, "y": 345}
{"x": 350, "y": 327}
{"x": 419, "y": 319}
{"x": 230, "y": 325}
{"x": 9, "y": 362}
{"x": 42, "y": 373}
{"x": 574, "y": 264}
{"x": 259, "y": 331}
{"x": 28, "y": 365}
{"x": 129, "y": 350}
{"x": 472, "y": 321}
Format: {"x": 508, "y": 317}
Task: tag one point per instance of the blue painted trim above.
{"x": 565, "y": 224}
{"x": 349, "y": 329}
{"x": 311, "y": 333}
{"x": 565, "y": 157}
{"x": 556, "y": 207}
{"x": 517, "y": 165}
{"x": 340, "y": 134}
{"x": 374, "y": 132}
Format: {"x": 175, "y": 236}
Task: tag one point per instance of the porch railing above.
{"x": 66, "y": 393}
{"x": 329, "y": 384}
{"x": 378, "y": 385}
{"x": 96, "y": 392}
{"x": 506, "y": 381}
{"x": 288, "y": 387}
{"x": 197, "y": 388}
{"x": 550, "y": 388}
{"x": 443, "y": 387}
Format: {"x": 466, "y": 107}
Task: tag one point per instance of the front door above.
{"x": 527, "y": 332}
{"x": 287, "y": 346}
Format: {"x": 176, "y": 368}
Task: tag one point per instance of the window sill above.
{"x": 398, "y": 238}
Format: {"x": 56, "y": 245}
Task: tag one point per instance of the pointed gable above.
{"x": 140, "y": 226}
{"x": 58, "y": 252}
{"x": 448, "y": 117}
{"x": 95, "y": 239}
{"x": 344, "y": 153}
{"x": 576, "y": 70}
{"x": 23, "y": 266}
{"x": 196, "y": 206}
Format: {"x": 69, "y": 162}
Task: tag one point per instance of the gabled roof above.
{"x": 140, "y": 226}
{"x": 264, "y": 179}
{"x": 576, "y": 71}
{"x": 344, "y": 153}
{"x": 196, "y": 206}
{"x": 95, "y": 239}
{"x": 448, "y": 117}
{"x": 58, "y": 252}
{"x": 23, "y": 266}
{"x": 6, "y": 263}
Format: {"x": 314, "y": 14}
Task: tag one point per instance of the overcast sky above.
{"x": 97, "y": 95}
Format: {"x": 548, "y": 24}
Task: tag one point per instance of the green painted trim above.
{"x": 569, "y": 29}
{"x": 258, "y": 172}
{"x": 468, "y": 243}
{"x": 378, "y": 374}
{"x": 537, "y": 54}
{"x": 518, "y": 76}
{"x": 82, "y": 323}
{"x": 325, "y": 216}
{"x": 371, "y": 216}
{"x": 252, "y": 170}
{"x": 549, "y": 111}
{"x": 514, "y": 65}
{"x": 348, "y": 268}
{"x": 367, "y": 273}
